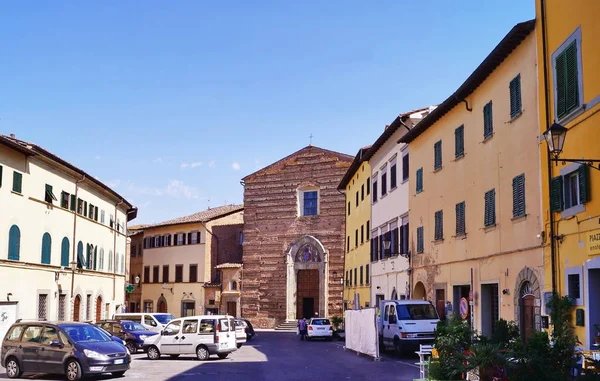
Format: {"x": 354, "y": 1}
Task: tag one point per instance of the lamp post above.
{"x": 555, "y": 137}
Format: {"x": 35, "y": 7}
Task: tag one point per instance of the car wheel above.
{"x": 238, "y": 346}
{"x": 153, "y": 353}
{"x": 132, "y": 346}
{"x": 73, "y": 370}
{"x": 118, "y": 374}
{"x": 202, "y": 353}
{"x": 223, "y": 355}
{"x": 13, "y": 369}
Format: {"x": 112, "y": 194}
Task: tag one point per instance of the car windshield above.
{"x": 164, "y": 318}
{"x": 416, "y": 312}
{"x": 132, "y": 326}
{"x": 85, "y": 333}
{"x": 320, "y": 322}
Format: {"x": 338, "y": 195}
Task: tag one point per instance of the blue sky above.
{"x": 173, "y": 102}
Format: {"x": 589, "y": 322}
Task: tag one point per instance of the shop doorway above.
{"x": 490, "y": 312}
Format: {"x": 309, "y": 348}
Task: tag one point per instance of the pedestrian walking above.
{"x": 302, "y": 328}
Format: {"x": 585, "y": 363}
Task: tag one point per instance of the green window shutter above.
{"x": 17, "y": 182}
{"x": 96, "y": 213}
{"x": 73, "y": 202}
{"x": 419, "y": 180}
{"x": 518, "y": 185}
{"x": 489, "y": 218}
{"x": 439, "y": 225}
{"x": 46, "y": 249}
{"x": 64, "y": 252}
{"x": 85, "y": 208}
{"x": 437, "y": 155}
{"x": 0, "y": 176}
{"x": 459, "y": 142}
{"x": 584, "y": 184}
{"x": 96, "y": 258}
{"x": 567, "y": 81}
{"x": 515, "y": 96}
{"x": 80, "y": 258}
{"x": 14, "y": 243}
{"x": 460, "y": 219}
{"x": 420, "y": 239}
{"x": 556, "y": 194}
{"x": 488, "y": 126}
{"x": 560, "y": 68}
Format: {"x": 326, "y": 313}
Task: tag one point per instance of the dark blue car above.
{"x": 132, "y": 333}
{"x": 72, "y": 349}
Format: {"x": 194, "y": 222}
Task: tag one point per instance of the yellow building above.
{"x": 475, "y": 216}
{"x": 357, "y": 185}
{"x": 569, "y": 94}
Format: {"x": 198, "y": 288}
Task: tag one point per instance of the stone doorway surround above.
{"x": 295, "y": 261}
{"x": 527, "y": 284}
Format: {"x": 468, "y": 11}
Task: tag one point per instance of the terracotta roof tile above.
{"x": 203, "y": 216}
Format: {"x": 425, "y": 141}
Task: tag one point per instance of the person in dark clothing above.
{"x": 302, "y": 328}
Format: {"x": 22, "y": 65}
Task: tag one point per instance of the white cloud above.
{"x": 191, "y": 165}
{"x": 211, "y": 163}
{"x": 158, "y": 160}
{"x": 235, "y": 166}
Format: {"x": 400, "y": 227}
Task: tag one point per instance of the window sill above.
{"x": 460, "y": 236}
{"x": 383, "y": 196}
{"x": 572, "y": 211}
{"x": 419, "y": 191}
{"x": 572, "y": 115}
{"x": 16, "y": 193}
{"x": 487, "y": 138}
{"x": 513, "y": 118}
{"x": 437, "y": 169}
{"x": 518, "y": 219}
{"x": 404, "y": 180}
{"x": 490, "y": 228}
{"x": 393, "y": 188}
{"x": 457, "y": 158}
{"x": 437, "y": 241}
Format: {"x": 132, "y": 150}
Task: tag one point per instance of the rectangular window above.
{"x": 194, "y": 238}
{"x": 515, "y": 96}
{"x": 368, "y": 229}
{"x": 355, "y": 277}
{"x": 574, "y": 285}
{"x": 102, "y": 216}
{"x": 404, "y": 234}
{"x": 571, "y": 189}
{"x": 179, "y": 273}
{"x": 489, "y": 218}
{"x": 362, "y": 234}
{"x": 374, "y": 191}
{"x": 348, "y": 244}
{"x": 0, "y": 176}
{"x": 356, "y": 238}
{"x": 393, "y": 175}
{"x": 361, "y": 276}
{"x": 17, "y": 182}
{"x": 395, "y": 238}
{"x": 488, "y": 121}
{"x": 180, "y": 239}
{"x": 155, "y": 271}
{"x": 348, "y": 207}
{"x": 419, "y": 181}
{"x": 367, "y": 275}
{"x": 567, "y": 89}
{"x": 420, "y": 239}
{"x": 133, "y": 251}
{"x": 459, "y": 142}
{"x": 368, "y": 187}
{"x": 193, "y": 273}
{"x": 437, "y": 155}
{"x": 165, "y": 273}
{"x": 43, "y": 307}
{"x": 73, "y": 203}
{"x": 374, "y": 249}
{"x": 350, "y": 279}
{"x": 574, "y": 279}
{"x": 79, "y": 206}
{"x": 356, "y": 198}
{"x": 439, "y": 225}
{"x": 384, "y": 182}
{"x": 405, "y": 168}
{"x": 95, "y": 213}
{"x": 62, "y": 307}
{"x": 460, "y": 219}
{"x": 64, "y": 200}
{"x": 346, "y": 279}
{"x": 310, "y": 203}
{"x": 49, "y": 196}
{"x": 362, "y": 192}
{"x": 146, "y": 274}
{"x": 518, "y": 185}
{"x": 91, "y": 212}
{"x": 85, "y": 210}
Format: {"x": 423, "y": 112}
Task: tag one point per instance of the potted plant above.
{"x": 337, "y": 321}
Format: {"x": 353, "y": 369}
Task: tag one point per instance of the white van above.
{"x": 151, "y": 321}
{"x": 202, "y": 335}
{"x": 405, "y": 324}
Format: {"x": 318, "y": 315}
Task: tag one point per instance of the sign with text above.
{"x": 593, "y": 242}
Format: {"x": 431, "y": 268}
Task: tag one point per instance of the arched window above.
{"x": 117, "y": 263}
{"x": 122, "y": 263}
{"x": 46, "y": 249}
{"x": 101, "y": 266}
{"x": 14, "y": 243}
{"x": 64, "y": 252}
{"x": 110, "y": 260}
{"x": 80, "y": 257}
{"x": 96, "y": 258}
{"x": 233, "y": 285}
{"x": 88, "y": 257}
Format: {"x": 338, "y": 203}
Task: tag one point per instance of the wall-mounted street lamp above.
{"x": 555, "y": 138}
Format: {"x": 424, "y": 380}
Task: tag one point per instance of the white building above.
{"x": 390, "y": 251}
{"x": 62, "y": 239}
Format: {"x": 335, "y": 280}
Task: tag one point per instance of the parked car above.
{"x": 132, "y": 333}
{"x": 113, "y": 337}
{"x": 240, "y": 333}
{"x": 151, "y": 321}
{"x": 247, "y": 327}
{"x": 68, "y": 348}
{"x": 319, "y": 328}
{"x": 203, "y": 335}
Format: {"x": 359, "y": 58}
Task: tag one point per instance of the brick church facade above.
{"x": 293, "y": 250}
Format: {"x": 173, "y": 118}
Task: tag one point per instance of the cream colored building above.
{"x": 475, "y": 206}
{"x": 177, "y": 260}
{"x": 62, "y": 234}
{"x": 389, "y": 162}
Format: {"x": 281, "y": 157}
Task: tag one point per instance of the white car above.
{"x": 240, "y": 333}
{"x": 319, "y": 328}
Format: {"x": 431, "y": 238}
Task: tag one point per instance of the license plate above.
{"x": 120, "y": 361}
{"x": 321, "y": 329}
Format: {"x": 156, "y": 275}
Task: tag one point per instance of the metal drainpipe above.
{"x": 217, "y": 261}
{"x": 115, "y": 251}
{"x": 74, "y": 233}
{"x": 549, "y": 168}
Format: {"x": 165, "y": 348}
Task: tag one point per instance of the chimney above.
{"x": 12, "y": 136}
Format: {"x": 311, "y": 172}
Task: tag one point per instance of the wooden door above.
{"x": 440, "y": 303}
{"x": 307, "y": 288}
{"x": 527, "y": 316}
{"x": 99, "y": 308}
{"x": 232, "y": 309}
{"x": 76, "y": 308}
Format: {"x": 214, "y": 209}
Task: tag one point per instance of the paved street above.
{"x": 271, "y": 356}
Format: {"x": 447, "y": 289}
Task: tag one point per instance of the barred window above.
{"x": 43, "y": 307}
{"x": 62, "y": 307}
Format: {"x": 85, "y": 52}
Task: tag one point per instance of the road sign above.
{"x": 463, "y": 308}
{"x": 130, "y": 288}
